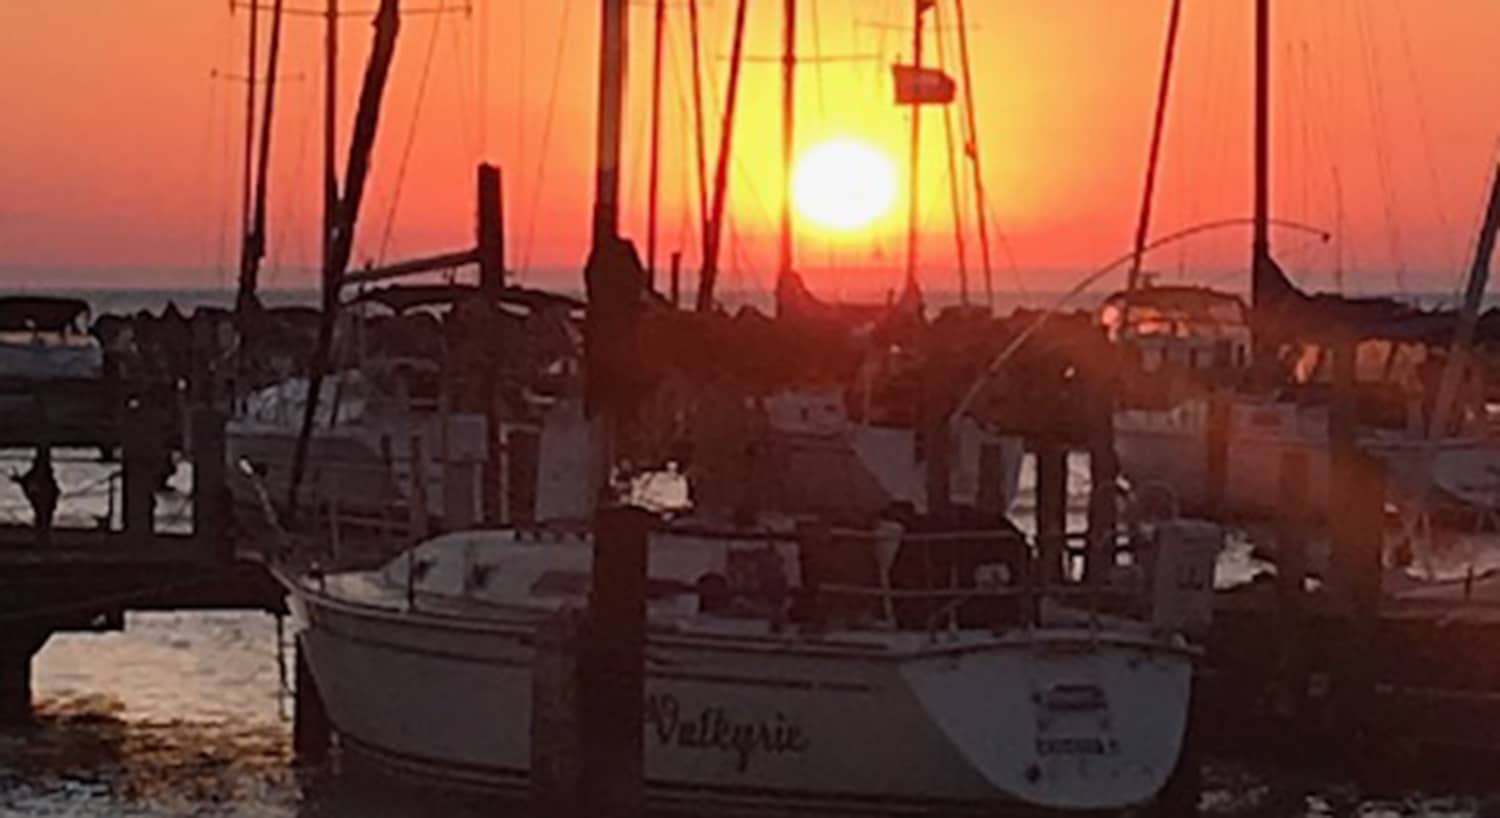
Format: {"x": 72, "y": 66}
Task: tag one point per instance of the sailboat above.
{"x": 1221, "y": 396}
{"x": 782, "y": 668}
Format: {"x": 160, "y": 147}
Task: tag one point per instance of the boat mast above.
{"x": 1463, "y": 334}
{"x": 344, "y": 209}
{"x": 246, "y": 230}
{"x": 330, "y": 133}
{"x": 661, "y": 24}
{"x": 255, "y": 238}
{"x": 1260, "y": 250}
{"x": 698, "y": 125}
{"x": 611, "y": 109}
{"x": 1143, "y": 226}
{"x": 721, "y": 170}
{"x": 972, "y": 148}
{"x": 913, "y": 211}
{"x": 788, "y": 139}
{"x": 958, "y": 220}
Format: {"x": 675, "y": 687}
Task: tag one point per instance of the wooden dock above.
{"x": 55, "y": 579}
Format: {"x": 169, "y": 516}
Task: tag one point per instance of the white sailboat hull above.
{"x": 1066, "y": 720}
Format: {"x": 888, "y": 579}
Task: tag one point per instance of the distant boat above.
{"x": 1217, "y": 393}
{"x": 45, "y": 338}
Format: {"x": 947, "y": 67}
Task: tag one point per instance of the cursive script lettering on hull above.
{"x": 716, "y": 729}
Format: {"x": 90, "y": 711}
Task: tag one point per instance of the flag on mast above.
{"x": 923, "y": 86}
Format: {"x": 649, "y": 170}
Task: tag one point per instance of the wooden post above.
{"x": 991, "y": 499}
{"x": 16, "y": 649}
{"x": 416, "y": 495}
{"x": 1344, "y": 501}
{"x": 1051, "y": 508}
{"x": 141, "y": 461}
{"x": 937, "y": 434}
{"x": 613, "y": 679}
{"x": 491, "y": 232}
{"x": 460, "y": 496}
{"x": 1104, "y": 470}
{"x": 556, "y": 724}
{"x": 1291, "y": 575}
{"x": 1216, "y": 450}
{"x": 210, "y": 509}
{"x": 311, "y": 730}
{"x": 1355, "y": 688}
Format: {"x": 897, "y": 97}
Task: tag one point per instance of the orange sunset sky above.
{"x": 119, "y": 152}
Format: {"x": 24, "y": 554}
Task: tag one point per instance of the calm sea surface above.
{"x": 183, "y": 714}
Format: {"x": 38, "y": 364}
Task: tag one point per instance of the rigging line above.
{"x": 521, "y": 86}
{"x": 685, "y": 134}
{"x": 1328, "y": 103}
{"x": 291, "y": 204}
{"x": 818, "y": 65}
{"x": 1315, "y": 138}
{"x": 700, "y": 136}
{"x": 223, "y": 177}
{"x": 411, "y": 139}
{"x": 1088, "y": 281}
{"x": 546, "y": 143}
{"x": 1450, "y": 238}
{"x": 483, "y": 81}
{"x": 465, "y": 93}
{"x": 953, "y": 183}
{"x": 1304, "y": 82}
{"x": 205, "y": 159}
{"x": 1376, "y": 108}
{"x": 1005, "y": 247}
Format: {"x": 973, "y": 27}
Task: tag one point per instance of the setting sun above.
{"x": 843, "y": 185}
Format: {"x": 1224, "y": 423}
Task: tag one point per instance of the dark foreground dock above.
{"x": 57, "y": 579}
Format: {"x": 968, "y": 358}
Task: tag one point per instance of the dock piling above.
{"x": 1104, "y": 470}
{"x": 16, "y": 650}
{"x": 1291, "y": 576}
{"x": 210, "y": 492}
{"x": 311, "y": 731}
{"x": 1051, "y": 508}
{"x": 416, "y": 496}
{"x": 556, "y": 723}
{"x": 613, "y": 680}
{"x": 1216, "y": 467}
{"x": 142, "y": 462}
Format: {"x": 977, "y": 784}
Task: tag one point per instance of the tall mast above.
{"x": 1468, "y": 317}
{"x": 953, "y": 184}
{"x": 246, "y": 229}
{"x": 788, "y": 135}
{"x": 721, "y": 169}
{"x": 612, "y": 35}
{"x": 698, "y": 125}
{"x": 255, "y": 238}
{"x": 972, "y": 149}
{"x": 661, "y": 25}
{"x": 1260, "y": 250}
{"x": 330, "y": 135}
{"x": 913, "y": 211}
{"x": 1144, "y": 224}
{"x": 343, "y": 211}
